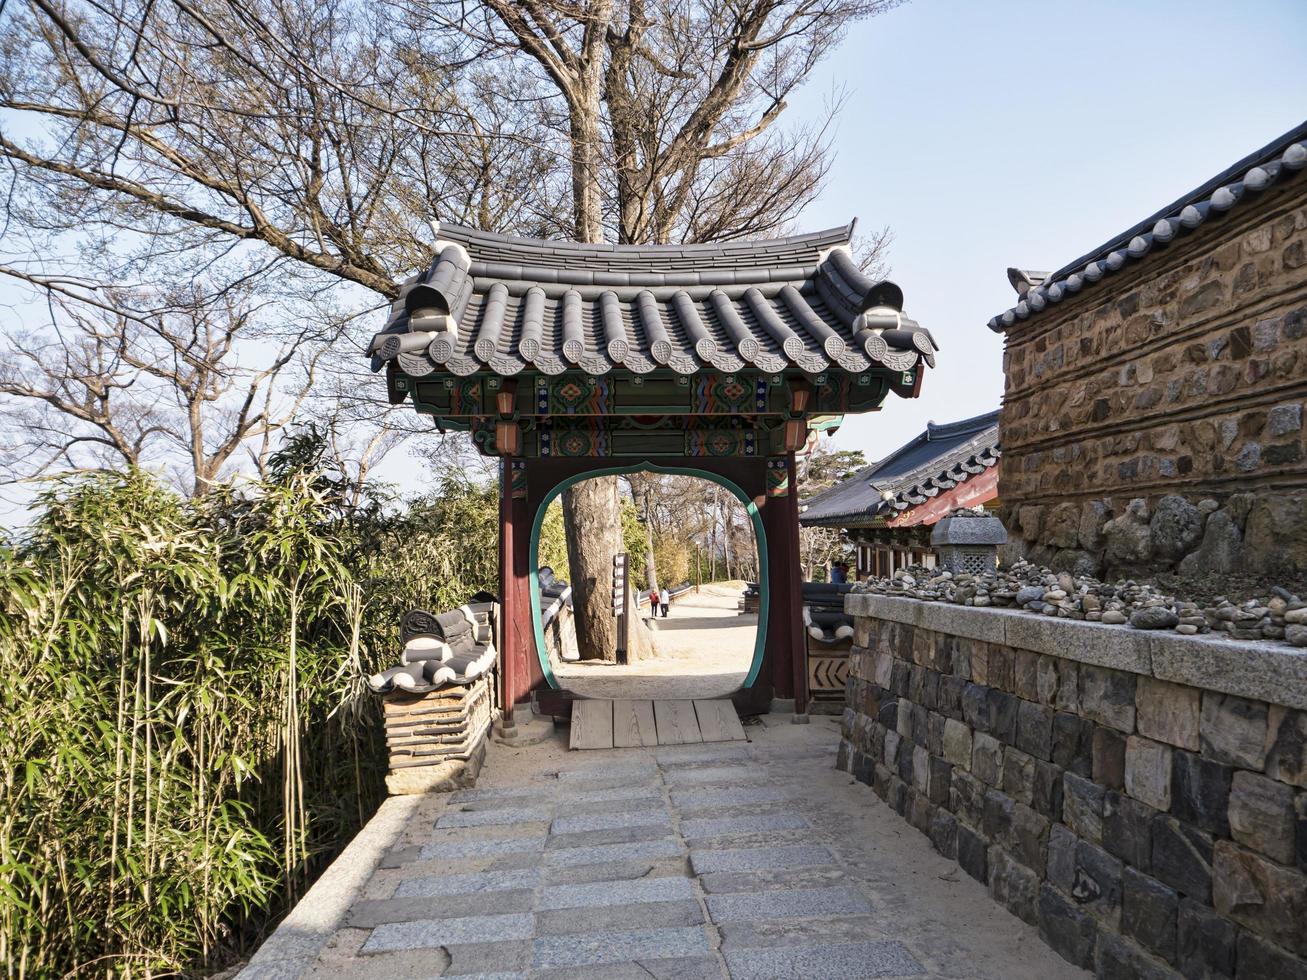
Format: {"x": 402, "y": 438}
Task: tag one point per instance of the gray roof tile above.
{"x": 1281, "y": 159}
{"x": 499, "y": 304}
{"x": 937, "y": 459}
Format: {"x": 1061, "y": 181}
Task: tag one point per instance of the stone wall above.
{"x": 1141, "y": 798}
{"x": 1183, "y": 374}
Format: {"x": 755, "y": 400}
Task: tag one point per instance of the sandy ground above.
{"x": 704, "y": 651}
{"x": 667, "y": 811}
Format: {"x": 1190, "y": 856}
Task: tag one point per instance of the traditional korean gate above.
{"x": 569, "y": 360}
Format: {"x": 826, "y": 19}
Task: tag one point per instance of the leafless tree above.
{"x": 329, "y": 133}
{"x": 152, "y": 379}
{"x": 666, "y": 110}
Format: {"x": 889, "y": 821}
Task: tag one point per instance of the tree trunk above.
{"x": 650, "y": 568}
{"x": 585, "y": 175}
{"x": 591, "y": 522}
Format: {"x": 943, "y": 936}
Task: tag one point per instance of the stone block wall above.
{"x": 1140, "y": 798}
{"x": 1184, "y": 374}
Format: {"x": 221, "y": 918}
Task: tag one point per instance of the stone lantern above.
{"x": 967, "y": 541}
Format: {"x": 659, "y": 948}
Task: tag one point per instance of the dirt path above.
{"x": 704, "y": 650}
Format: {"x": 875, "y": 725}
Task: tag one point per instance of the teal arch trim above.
{"x": 759, "y": 537}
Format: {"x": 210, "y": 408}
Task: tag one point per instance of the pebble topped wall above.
{"x": 1180, "y": 375}
{"x": 1140, "y": 798}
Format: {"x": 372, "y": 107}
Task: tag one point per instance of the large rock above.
{"x": 1076, "y": 561}
{"x": 1275, "y": 536}
{"x": 1093, "y": 516}
{"x": 1153, "y": 618}
{"x": 1176, "y": 528}
{"x": 1062, "y": 526}
{"x": 1128, "y": 538}
{"x": 1221, "y": 549}
{"x": 1257, "y": 893}
{"x": 1262, "y": 815}
{"x": 1030, "y": 519}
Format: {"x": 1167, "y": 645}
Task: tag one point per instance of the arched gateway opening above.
{"x": 570, "y": 360}
{"x": 708, "y": 641}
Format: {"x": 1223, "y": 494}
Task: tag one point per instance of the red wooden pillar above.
{"x": 799, "y": 642}
{"x": 780, "y": 581}
{"x": 508, "y": 594}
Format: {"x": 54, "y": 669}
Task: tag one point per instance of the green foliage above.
{"x": 672, "y": 559}
{"x": 633, "y": 534}
{"x": 185, "y": 735}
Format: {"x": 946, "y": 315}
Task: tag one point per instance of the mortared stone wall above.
{"x": 1153, "y": 421}
{"x": 1139, "y": 797}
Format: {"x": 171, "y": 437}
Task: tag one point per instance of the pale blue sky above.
{"x": 1017, "y": 132}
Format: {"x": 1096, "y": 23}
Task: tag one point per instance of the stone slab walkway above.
{"x": 754, "y": 861}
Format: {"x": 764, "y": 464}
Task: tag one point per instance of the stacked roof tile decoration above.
{"x": 1282, "y": 159}
{"x": 935, "y": 461}
{"x": 501, "y": 305}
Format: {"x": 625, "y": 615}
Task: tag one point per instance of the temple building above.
{"x": 574, "y": 360}
{"x": 886, "y": 510}
{"x": 1153, "y": 407}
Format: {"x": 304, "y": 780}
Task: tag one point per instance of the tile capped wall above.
{"x": 1146, "y": 826}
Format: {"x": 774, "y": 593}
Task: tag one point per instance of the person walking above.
{"x": 653, "y": 602}
{"x": 665, "y": 600}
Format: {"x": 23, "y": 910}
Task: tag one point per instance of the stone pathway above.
{"x": 751, "y": 861}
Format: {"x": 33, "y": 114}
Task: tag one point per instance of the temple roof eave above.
{"x": 497, "y": 305}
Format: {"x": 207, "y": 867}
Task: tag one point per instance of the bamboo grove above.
{"x": 185, "y": 738}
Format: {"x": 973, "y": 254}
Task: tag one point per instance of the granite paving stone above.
{"x": 631, "y": 771}
{"x": 771, "y": 879}
{"x": 504, "y": 862}
{"x": 691, "y": 798}
{"x": 721, "y": 826}
{"x": 455, "y": 850}
{"x": 607, "y": 821}
{"x": 671, "y": 756}
{"x": 483, "y": 818}
{"x": 431, "y": 886}
{"x": 455, "y": 835}
{"x": 824, "y": 961}
{"x": 600, "y": 853}
{"x": 801, "y": 903}
{"x": 806, "y": 932}
{"x": 602, "y": 893}
{"x": 497, "y": 959}
{"x": 639, "y": 915}
{"x": 370, "y": 914}
{"x": 768, "y": 838}
{"x": 579, "y": 874}
{"x": 625, "y": 791}
{"x": 754, "y": 858}
{"x": 502, "y": 793}
{"x": 615, "y": 835}
{"x": 617, "y": 947}
{"x": 444, "y": 932}
{"x": 668, "y": 968}
{"x": 646, "y": 801}
{"x": 715, "y": 774}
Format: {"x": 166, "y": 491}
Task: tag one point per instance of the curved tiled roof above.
{"x": 1280, "y": 159}
{"x": 499, "y": 304}
{"x": 934, "y": 461}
